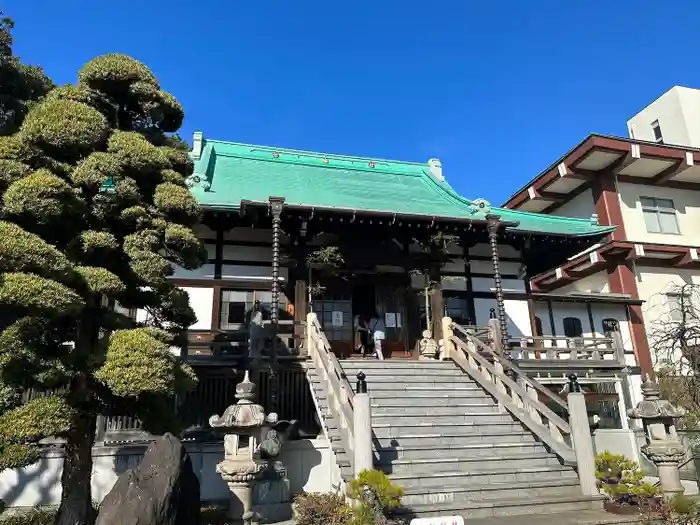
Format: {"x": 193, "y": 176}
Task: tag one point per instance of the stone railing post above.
{"x": 362, "y": 425}
{"x": 663, "y": 447}
{"x": 447, "y": 344}
{"x": 310, "y": 320}
{"x": 495, "y": 336}
{"x": 581, "y": 437}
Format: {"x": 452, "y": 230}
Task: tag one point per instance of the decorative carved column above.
{"x": 276, "y": 205}
{"x": 663, "y": 447}
{"x": 493, "y": 225}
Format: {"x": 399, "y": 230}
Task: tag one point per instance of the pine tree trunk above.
{"x": 76, "y": 498}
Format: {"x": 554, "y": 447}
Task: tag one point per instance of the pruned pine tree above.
{"x": 94, "y": 209}
{"x": 21, "y": 86}
{"x": 674, "y": 337}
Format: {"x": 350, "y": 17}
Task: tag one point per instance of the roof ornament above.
{"x": 371, "y": 164}
{"x": 480, "y": 206}
{"x": 197, "y": 181}
{"x": 594, "y": 220}
{"x": 393, "y": 220}
{"x": 197, "y": 145}
{"x": 354, "y": 212}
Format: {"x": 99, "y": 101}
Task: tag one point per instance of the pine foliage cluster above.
{"x": 94, "y": 210}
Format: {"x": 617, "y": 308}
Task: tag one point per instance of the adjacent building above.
{"x": 648, "y": 186}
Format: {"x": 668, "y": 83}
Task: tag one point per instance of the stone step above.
{"x": 462, "y": 428}
{"x": 436, "y": 450}
{"x": 580, "y": 517}
{"x": 409, "y": 374}
{"x": 435, "y": 380}
{"x": 484, "y": 417}
{"x": 425, "y": 437}
{"x": 400, "y": 387}
{"x": 396, "y": 364}
{"x": 430, "y": 393}
{"x": 506, "y": 507}
{"x": 480, "y": 476}
{"x": 459, "y": 411}
{"x": 494, "y": 491}
{"x": 451, "y": 401}
{"x": 465, "y": 465}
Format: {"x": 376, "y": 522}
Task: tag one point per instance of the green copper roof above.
{"x": 228, "y": 173}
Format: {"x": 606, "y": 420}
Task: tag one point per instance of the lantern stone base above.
{"x": 272, "y": 501}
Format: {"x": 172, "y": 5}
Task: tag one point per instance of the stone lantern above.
{"x": 663, "y": 447}
{"x": 250, "y": 468}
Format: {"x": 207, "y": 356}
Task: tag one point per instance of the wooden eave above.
{"x": 631, "y": 160}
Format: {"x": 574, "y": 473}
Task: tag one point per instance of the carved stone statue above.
{"x": 663, "y": 447}
{"x": 428, "y": 347}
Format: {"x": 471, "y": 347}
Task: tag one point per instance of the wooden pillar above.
{"x": 437, "y": 310}
{"x": 300, "y": 311}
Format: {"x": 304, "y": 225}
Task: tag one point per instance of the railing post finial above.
{"x": 361, "y": 383}
{"x": 574, "y": 385}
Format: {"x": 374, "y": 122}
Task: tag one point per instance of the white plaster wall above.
{"x": 667, "y": 109}
{"x": 484, "y": 250}
{"x": 245, "y": 272}
{"x": 596, "y": 283}
{"x": 308, "y": 462}
{"x": 690, "y": 107}
{"x": 582, "y": 206}
{"x": 686, "y": 202}
{"x": 653, "y": 283}
{"x": 201, "y": 301}
{"x": 486, "y": 284}
{"x": 248, "y": 253}
{"x": 517, "y": 313}
{"x": 205, "y": 271}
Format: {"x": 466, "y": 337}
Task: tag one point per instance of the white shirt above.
{"x": 376, "y": 325}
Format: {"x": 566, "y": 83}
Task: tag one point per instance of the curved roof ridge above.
{"x": 315, "y": 153}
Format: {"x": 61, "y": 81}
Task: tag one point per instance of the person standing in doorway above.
{"x": 256, "y": 332}
{"x": 377, "y": 330}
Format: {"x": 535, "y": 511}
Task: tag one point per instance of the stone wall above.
{"x": 309, "y": 465}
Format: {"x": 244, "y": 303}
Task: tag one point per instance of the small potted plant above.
{"x": 621, "y": 480}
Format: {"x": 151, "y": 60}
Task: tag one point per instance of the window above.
{"x": 538, "y": 326}
{"x": 573, "y": 327}
{"x": 610, "y": 324}
{"x": 457, "y": 309}
{"x": 237, "y": 304}
{"x": 659, "y": 215}
{"x": 677, "y": 303}
{"x": 658, "y": 136}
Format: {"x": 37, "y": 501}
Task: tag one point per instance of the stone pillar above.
{"x": 581, "y": 437}
{"x": 362, "y": 427}
{"x": 447, "y": 345}
{"x": 663, "y": 447}
{"x": 493, "y": 225}
{"x": 276, "y": 204}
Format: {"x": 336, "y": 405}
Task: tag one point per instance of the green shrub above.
{"x": 621, "y": 479}
{"x": 321, "y": 509}
{"x": 35, "y": 516}
{"x": 375, "y": 496}
{"x": 683, "y": 504}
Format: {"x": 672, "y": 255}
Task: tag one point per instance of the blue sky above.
{"x": 496, "y": 90}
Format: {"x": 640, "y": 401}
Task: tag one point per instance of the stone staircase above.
{"x": 442, "y": 438}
